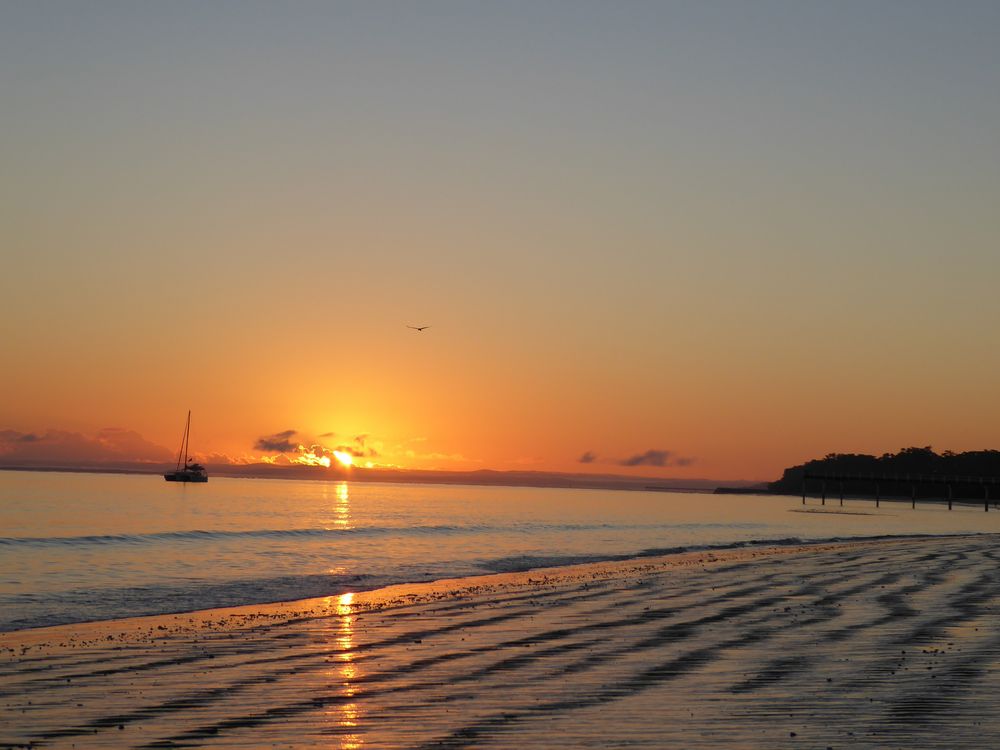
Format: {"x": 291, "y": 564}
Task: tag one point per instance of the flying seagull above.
{"x": 418, "y": 328}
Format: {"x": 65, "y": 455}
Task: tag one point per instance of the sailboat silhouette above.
{"x": 191, "y": 472}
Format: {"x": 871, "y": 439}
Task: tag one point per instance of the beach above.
{"x": 885, "y": 643}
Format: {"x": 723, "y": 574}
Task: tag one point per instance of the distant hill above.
{"x": 915, "y": 463}
{"x": 409, "y": 476}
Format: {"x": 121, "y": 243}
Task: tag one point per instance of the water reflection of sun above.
{"x": 347, "y": 716}
{"x": 342, "y": 509}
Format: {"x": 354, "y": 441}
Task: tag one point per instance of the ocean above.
{"x": 82, "y": 547}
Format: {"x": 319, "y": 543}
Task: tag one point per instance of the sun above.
{"x": 345, "y": 458}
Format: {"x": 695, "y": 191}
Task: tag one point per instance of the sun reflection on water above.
{"x": 342, "y": 509}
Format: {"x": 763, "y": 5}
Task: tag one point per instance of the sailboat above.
{"x": 191, "y": 472}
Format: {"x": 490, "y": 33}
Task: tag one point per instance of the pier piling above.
{"x": 946, "y": 489}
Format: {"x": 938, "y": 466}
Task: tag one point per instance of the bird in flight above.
{"x": 418, "y": 328}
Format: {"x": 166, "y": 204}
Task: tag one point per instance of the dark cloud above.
{"x": 328, "y": 435}
{"x": 357, "y": 450}
{"x": 651, "y": 457}
{"x": 279, "y": 442}
{"x": 318, "y": 450}
{"x": 654, "y": 457}
{"x": 588, "y": 458}
{"x": 360, "y": 448}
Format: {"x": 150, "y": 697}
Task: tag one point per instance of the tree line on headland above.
{"x": 912, "y": 471}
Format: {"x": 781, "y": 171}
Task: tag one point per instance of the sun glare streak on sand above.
{"x": 849, "y": 645}
{"x": 347, "y": 716}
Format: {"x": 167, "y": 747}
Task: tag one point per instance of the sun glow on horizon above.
{"x": 345, "y": 458}
{"x": 311, "y": 458}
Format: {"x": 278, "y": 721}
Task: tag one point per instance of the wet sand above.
{"x": 882, "y": 644}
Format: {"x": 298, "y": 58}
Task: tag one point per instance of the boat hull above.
{"x": 184, "y": 476}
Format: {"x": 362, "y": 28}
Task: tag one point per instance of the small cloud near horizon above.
{"x": 656, "y": 457}
{"x": 587, "y": 458}
{"x": 361, "y": 448}
{"x": 279, "y": 442}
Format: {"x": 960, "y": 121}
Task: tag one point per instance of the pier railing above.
{"x": 985, "y": 488}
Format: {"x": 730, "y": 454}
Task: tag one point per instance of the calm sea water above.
{"x": 77, "y": 547}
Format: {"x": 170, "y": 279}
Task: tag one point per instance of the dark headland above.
{"x": 910, "y": 473}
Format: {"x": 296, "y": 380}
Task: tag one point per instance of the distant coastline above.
{"x": 482, "y": 477}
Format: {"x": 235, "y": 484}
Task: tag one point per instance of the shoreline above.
{"x": 568, "y": 572}
{"x": 876, "y": 643}
{"x": 567, "y": 564}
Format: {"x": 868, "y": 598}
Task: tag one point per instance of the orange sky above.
{"x": 671, "y": 230}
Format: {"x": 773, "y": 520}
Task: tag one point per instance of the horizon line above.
{"x": 487, "y": 477}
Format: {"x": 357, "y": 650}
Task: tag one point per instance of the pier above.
{"x": 899, "y": 486}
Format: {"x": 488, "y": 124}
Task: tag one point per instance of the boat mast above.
{"x": 187, "y": 435}
{"x": 184, "y": 443}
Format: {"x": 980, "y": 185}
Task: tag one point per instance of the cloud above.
{"x": 587, "y": 458}
{"x": 651, "y": 457}
{"x": 291, "y": 446}
{"x": 64, "y": 448}
{"x": 292, "y": 452}
{"x": 360, "y": 448}
{"x": 279, "y": 442}
{"x": 280, "y": 459}
{"x": 314, "y": 455}
{"x": 654, "y": 457}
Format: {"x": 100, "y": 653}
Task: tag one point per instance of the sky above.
{"x": 691, "y": 239}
